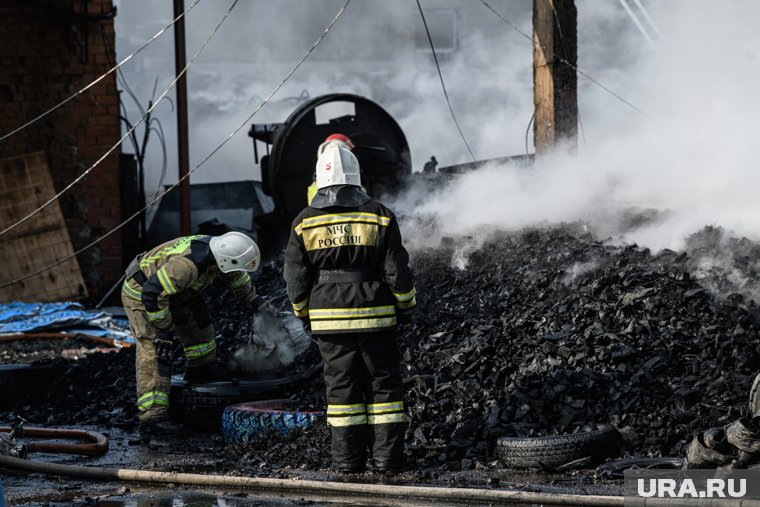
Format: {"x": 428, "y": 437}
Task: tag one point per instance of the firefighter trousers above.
{"x": 365, "y": 410}
{"x": 193, "y": 330}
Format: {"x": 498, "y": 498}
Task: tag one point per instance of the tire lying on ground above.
{"x": 200, "y": 406}
{"x": 557, "y": 450}
{"x": 245, "y": 421}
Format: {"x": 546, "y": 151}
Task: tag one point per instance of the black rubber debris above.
{"x": 543, "y": 332}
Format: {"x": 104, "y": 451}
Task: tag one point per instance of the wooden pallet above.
{"x": 26, "y": 184}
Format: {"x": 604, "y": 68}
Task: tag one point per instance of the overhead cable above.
{"x": 562, "y": 60}
{"x": 99, "y": 79}
{"x": 638, "y": 24}
{"x": 191, "y": 171}
{"x": 126, "y": 135}
{"x": 649, "y": 18}
{"x": 443, "y": 85}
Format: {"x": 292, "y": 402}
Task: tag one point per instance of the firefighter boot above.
{"x": 388, "y": 447}
{"x": 349, "y": 448}
{"x": 161, "y": 427}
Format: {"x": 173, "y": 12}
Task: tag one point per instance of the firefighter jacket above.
{"x": 345, "y": 266}
{"x": 311, "y": 191}
{"x": 179, "y": 269}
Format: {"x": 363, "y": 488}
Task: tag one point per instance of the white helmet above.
{"x": 341, "y": 140}
{"x": 235, "y": 251}
{"x": 337, "y": 166}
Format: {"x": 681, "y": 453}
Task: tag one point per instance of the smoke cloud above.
{"x": 375, "y": 50}
{"x": 688, "y": 161}
{"x": 274, "y": 342}
{"x": 652, "y": 178}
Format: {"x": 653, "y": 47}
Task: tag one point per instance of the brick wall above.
{"x": 50, "y": 49}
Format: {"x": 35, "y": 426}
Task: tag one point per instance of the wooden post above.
{"x": 555, "y": 83}
{"x": 183, "y": 144}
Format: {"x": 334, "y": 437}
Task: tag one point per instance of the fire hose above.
{"x": 374, "y": 491}
{"x": 96, "y": 445}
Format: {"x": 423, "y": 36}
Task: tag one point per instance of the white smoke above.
{"x": 691, "y": 156}
{"x": 275, "y": 342}
{"x": 578, "y": 269}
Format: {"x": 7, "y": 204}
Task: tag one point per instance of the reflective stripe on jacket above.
{"x": 180, "y": 268}
{"x": 311, "y": 191}
{"x": 362, "y": 237}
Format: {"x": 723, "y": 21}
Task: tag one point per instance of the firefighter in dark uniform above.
{"x": 348, "y": 278}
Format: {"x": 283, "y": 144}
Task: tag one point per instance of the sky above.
{"x": 685, "y": 150}
{"x": 262, "y": 39}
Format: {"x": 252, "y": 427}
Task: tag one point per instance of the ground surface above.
{"x": 209, "y": 455}
{"x": 532, "y": 333}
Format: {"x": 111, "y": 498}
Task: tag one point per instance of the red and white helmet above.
{"x": 341, "y": 140}
{"x": 337, "y": 166}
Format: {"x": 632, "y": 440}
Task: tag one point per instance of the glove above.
{"x": 255, "y": 304}
{"x": 164, "y": 343}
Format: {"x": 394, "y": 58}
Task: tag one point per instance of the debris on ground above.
{"x": 543, "y": 332}
{"x": 98, "y": 389}
{"x": 68, "y": 317}
{"x": 548, "y": 331}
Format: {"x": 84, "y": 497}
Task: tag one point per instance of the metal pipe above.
{"x": 97, "y": 444}
{"x": 182, "y": 135}
{"x": 366, "y": 491}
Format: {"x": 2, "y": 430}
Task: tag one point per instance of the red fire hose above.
{"x": 96, "y": 445}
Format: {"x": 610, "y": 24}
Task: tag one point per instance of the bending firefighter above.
{"x": 348, "y": 278}
{"x": 162, "y": 296}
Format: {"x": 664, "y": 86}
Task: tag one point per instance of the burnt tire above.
{"x": 243, "y": 422}
{"x": 557, "y": 450}
{"x": 199, "y": 407}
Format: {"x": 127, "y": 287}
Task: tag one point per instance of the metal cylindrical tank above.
{"x": 380, "y": 146}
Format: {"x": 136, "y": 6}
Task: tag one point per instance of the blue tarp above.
{"x": 66, "y": 317}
